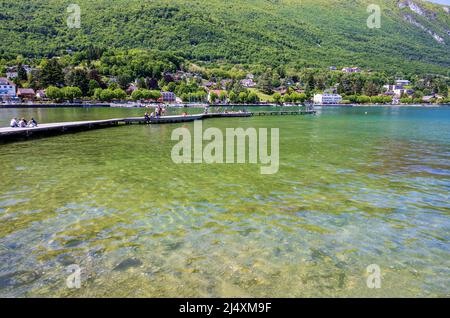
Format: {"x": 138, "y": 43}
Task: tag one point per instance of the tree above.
{"x": 277, "y": 98}
{"x": 252, "y": 98}
{"x": 97, "y": 93}
{"x": 137, "y": 95}
{"x": 242, "y": 97}
{"x": 265, "y": 82}
{"x": 150, "y": 94}
{"x": 113, "y": 85}
{"x": 78, "y": 77}
{"x": 71, "y": 93}
{"x": 418, "y": 94}
{"x": 93, "y": 85}
{"x": 171, "y": 87}
{"x": 363, "y": 99}
{"x": 119, "y": 94}
{"x": 52, "y": 73}
{"x": 387, "y": 99}
{"x": 140, "y": 94}
{"x": 21, "y": 73}
{"x": 54, "y": 93}
{"x": 107, "y": 95}
{"x": 223, "y": 96}
{"x": 295, "y": 97}
{"x": 371, "y": 89}
{"x": 233, "y": 97}
{"x": 213, "y": 97}
{"x": 124, "y": 80}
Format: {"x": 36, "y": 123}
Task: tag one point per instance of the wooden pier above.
{"x": 284, "y": 112}
{"x": 9, "y": 134}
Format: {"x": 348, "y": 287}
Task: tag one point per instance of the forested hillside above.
{"x": 414, "y": 36}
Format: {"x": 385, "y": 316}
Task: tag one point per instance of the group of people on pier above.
{"x": 23, "y": 123}
{"x": 159, "y": 111}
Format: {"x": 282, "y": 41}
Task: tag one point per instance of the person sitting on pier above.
{"x": 14, "y": 123}
{"x": 23, "y": 123}
{"x": 147, "y": 118}
{"x": 152, "y": 115}
{"x": 32, "y": 123}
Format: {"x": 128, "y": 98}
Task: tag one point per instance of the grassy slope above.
{"x": 298, "y": 32}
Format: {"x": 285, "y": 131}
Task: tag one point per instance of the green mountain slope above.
{"x": 414, "y": 35}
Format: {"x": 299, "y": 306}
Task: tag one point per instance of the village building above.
{"x": 7, "y": 89}
{"x": 40, "y": 94}
{"x": 399, "y": 88}
{"x": 248, "y": 83}
{"x": 168, "y": 97}
{"x": 402, "y": 83}
{"x": 12, "y": 72}
{"x": 210, "y": 84}
{"x": 323, "y": 99}
{"x": 351, "y": 70}
{"x": 131, "y": 89}
{"x": 26, "y": 93}
{"x": 282, "y": 90}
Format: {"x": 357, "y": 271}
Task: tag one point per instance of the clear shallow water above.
{"x": 353, "y": 189}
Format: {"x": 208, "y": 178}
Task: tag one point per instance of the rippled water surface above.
{"x": 356, "y": 187}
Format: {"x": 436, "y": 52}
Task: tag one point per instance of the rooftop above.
{"x": 5, "y": 81}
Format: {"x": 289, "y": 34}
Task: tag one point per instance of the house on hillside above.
{"x": 351, "y": 70}
{"x": 26, "y": 93}
{"x": 7, "y": 89}
{"x": 210, "y": 84}
{"x": 131, "y": 89}
{"x": 40, "y": 94}
{"x": 282, "y": 90}
{"x": 399, "y": 88}
{"x": 167, "y": 97}
{"x": 225, "y": 82}
{"x": 13, "y": 72}
{"x": 248, "y": 83}
{"x": 402, "y": 83}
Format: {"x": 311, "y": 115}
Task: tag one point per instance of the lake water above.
{"x": 356, "y": 186}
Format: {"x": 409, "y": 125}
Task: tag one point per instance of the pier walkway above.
{"x": 8, "y": 134}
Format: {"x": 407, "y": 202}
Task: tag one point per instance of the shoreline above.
{"x": 50, "y": 105}
{"x": 100, "y": 105}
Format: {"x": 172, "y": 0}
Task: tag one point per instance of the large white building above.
{"x": 399, "y": 88}
{"x": 7, "y": 89}
{"x": 327, "y": 99}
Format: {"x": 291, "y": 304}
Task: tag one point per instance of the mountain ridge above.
{"x": 414, "y": 35}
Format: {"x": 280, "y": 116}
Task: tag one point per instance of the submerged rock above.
{"x": 18, "y": 279}
{"x": 128, "y": 263}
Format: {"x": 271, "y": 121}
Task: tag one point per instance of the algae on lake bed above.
{"x": 353, "y": 189}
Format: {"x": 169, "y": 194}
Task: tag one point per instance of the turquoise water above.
{"x": 356, "y": 186}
